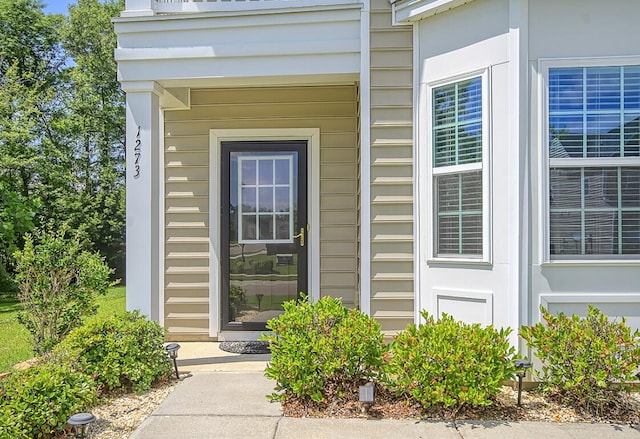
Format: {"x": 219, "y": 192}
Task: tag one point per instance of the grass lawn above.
{"x": 15, "y": 342}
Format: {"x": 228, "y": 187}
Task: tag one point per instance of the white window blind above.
{"x": 594, "y": 164}
{"x": 457, "y": 173}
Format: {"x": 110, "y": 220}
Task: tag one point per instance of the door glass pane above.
{"x": 248, "y": 199}
{"x": 283, "y": 229}
{"x": 248, "y": 227}
{"x": 248, "y": 172}
{"x": 266, "y": 199}
{"x": 282, "y": 171}
{"x": 265, "y": 172}
{"x": 266, "y": 227}
{"x": 263, "y": 254}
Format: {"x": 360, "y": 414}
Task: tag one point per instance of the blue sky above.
{"x": 57, "y": 6}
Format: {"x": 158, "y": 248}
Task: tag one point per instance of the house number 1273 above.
{"x": 137, "y": 152}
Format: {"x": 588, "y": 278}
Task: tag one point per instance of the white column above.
{"x": 143, "y": 200}
{"x": 136, "y": 8}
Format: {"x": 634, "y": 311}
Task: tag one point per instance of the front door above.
{"x": 264, "y": 230}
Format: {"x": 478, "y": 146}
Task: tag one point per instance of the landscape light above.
{"x": 367, "y": 392}
{"x": 172, "y": 351}
{"x": 80, "y": 423}
{"x": 521, "y": 366}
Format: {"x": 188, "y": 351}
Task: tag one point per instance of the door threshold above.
{"x": 240, "y": 335}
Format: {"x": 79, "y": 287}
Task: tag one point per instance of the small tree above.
{"x": 58, "y": 284}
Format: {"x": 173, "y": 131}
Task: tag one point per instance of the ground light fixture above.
{"x": 366, "y": 396}
{"x": 521, "y": 371}
{"x": 172, "y": 351}
{"x": 80, "y": 423}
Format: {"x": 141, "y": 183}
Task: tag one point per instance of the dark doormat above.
{"x": 245, "y": 347}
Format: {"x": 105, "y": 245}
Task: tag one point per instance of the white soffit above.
{"x": 292, "y": 41}
{"x": 413, "y": 10}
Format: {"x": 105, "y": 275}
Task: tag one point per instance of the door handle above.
{"x": 301, "y": 236}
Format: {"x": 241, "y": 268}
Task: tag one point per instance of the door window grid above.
{"x": 265, "y": 199}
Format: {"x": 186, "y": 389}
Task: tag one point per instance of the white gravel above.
{"x": 121, "y": 415}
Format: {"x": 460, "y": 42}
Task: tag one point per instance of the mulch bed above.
{"x": 535, "y": 407}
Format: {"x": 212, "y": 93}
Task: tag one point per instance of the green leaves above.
{"x": 584, "y": 359}
{"x": 121, "y": 351}
{"x": 38, "y": 401}
{"x": 321, "y": 345}
{"x": 62, "y": 124}
{"x": 58, "y": 283}
{"x": 449, "y": 362}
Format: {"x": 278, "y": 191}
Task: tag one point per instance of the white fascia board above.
{"x": 239, "y": 50}
{"x": 181, "y": 10}
{"x": 247, "y": 7}
{"x": 238, "y": 68}
{"x": 209, "y": 21}
{"x": 413, "y": 10}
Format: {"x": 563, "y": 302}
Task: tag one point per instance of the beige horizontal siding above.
{"x": 333, "y": 109}
{"x": 392, "y": 288}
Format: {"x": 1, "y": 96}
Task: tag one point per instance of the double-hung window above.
{"x": 458, "y": 139}
{"x": 593, "y": 151}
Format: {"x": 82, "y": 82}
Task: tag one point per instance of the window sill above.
{"x": 452, "y": 262}
{"x": 591, "y": 263}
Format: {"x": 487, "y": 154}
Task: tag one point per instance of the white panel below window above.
{"x": 615, "y": 306}
{"x": 470, "y": 307}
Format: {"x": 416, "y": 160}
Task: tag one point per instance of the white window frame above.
{"x": 427, "y": 195}
{"x": 544, "y": 65}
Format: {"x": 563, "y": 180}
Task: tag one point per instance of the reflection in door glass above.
{"x": 263, "y": 254}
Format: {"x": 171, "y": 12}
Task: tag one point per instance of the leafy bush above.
{"x": 125, "y": 350}
{"x": 320, "y": 346}
{"x": 37, "y": 402}
{"x": 449, "y": 362}
{"x": 584, "y": 359}
{"x": 58, "y": 283}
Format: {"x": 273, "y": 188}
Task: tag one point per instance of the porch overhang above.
{"x": 283, "y": 38}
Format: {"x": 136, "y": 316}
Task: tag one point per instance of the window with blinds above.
{"x": 457, "y": 169}
{"x": 594, "y": 162}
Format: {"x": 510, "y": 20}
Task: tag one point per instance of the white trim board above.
{"x": 364, "y": 284}
{"x": 216, "y": 137}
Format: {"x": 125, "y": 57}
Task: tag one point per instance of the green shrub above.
{"x": 584, "y": 359}
{"x": 320, "y": 346}
{"x": 58, "y": 284}
{"x": 37, "y": 402}
{"x": 449, "y": 362}
{"x": 125, "y": 350}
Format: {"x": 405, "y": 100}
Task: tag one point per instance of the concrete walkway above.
{"x": 223, "y": 396}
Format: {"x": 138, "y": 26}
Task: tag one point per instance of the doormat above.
{"x": 245, "y": 347}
